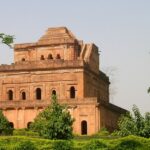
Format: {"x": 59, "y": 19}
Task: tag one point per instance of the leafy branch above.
{"x": 7, "y": 39}
{"x": 148, "y": 90}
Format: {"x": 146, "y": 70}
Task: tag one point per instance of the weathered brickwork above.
{"x": 57, "y": 64}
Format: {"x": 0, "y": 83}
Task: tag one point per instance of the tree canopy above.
{"x": 55, "y": 122}
{"x": 134, "y": 124}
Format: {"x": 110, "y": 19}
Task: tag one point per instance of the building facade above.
{"x": 58, "y": 64}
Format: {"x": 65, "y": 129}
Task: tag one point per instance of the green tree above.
{"x": 134, "y": 124}
{"x": 7, "y": 39}
{"x": 5, "y": 128}
{"x": 148, "y": 90}
{"x": 54, "y": 122}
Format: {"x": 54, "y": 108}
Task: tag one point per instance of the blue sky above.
{"x": 120, "y": 28}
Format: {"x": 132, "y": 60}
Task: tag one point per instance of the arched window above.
{"x": 84, "y": 127}
{"x": 23, "y": 96}
{"x": 58, "y": 56}
{"x": 11, "y": 125}
{"x": 50, "y": 56}
{"x": 23, "y": 59}
{"x": 54, "y": 92}
{"x": 10, "y": 95}
{"x": 38, "y": 93}
{"x": 42, "y": 57}
{"x": 72, "y": 92}
{"x": 29, "y": 124}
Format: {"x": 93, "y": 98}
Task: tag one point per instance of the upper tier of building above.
{"x": 58, "y": 44}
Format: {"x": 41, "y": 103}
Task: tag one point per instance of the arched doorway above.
{"x": 29, "y": 124}
{"x": 54, "y": 93}
{"x": 72, "y": 92}
{"x": 10, "y": 95}
{"x": 50, "y": 56}
{"x": 58, "y": 56}
{"x": 42, "y": 57}
{"x": 11, "y": 125}
{"x": 84, "y": 127}
{"x": 23, "y": 96}
{"x": 38, "y": 94}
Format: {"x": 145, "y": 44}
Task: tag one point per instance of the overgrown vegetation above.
{"x": 134, "y": 124}
{"x": 27, "y": 143}
{"x": 55, "y": 122}
{"x": 5, "y": 128}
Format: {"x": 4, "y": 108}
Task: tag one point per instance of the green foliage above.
{"x": 148, "y": 90}
{"x": 5, "y": 128}
{"x": 128, "y": 145}
{"x": 25, "y": 132}
{"x": 7, "y": 39}
{"x": 62, "y": 145}
{"x": 134, "y": 124}
{"x": 95, "y": 145}
{"x": 16, "y": 142}
{"x": 26, "y": 145}
{"x": 54, "y": 122}
{"x": 125, "y": 143}
{"x": 103, "y": 132}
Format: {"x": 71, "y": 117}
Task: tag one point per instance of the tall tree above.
{"x": 55, "y": 122}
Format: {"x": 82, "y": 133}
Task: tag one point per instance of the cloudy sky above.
{"x": 120, "y": 28}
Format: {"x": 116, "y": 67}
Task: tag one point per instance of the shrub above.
{"x": 95, "y": 145}
{"x": 128, "y": 145}
{"x": 25, "y": 132}
{"x": 103, "y": 132}
{"x": 55, "y": 122}
{"x": 62, "y": 145}
{"x": 5, "y": 128}
{"x": 134, "y": 124}
{"x": 26, "y": 145}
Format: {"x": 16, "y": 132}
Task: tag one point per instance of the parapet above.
{"x": 42, "y": 65}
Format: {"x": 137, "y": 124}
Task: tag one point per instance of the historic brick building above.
{"x": 57, "y": 64}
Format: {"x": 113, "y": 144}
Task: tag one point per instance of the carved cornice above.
{"x": 72, "y": 103}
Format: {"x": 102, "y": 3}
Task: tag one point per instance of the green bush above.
{"x": 25, "y": 132}
{"x": 103, "y": 132}
{"x": 26, "y": 145}
{"x": 62, "y": 145}
{"x": 95, "y": 145}
{"x": 128, "y": 145}
{"x": 30, "y": 143}
{"x": 5, "y": 127}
